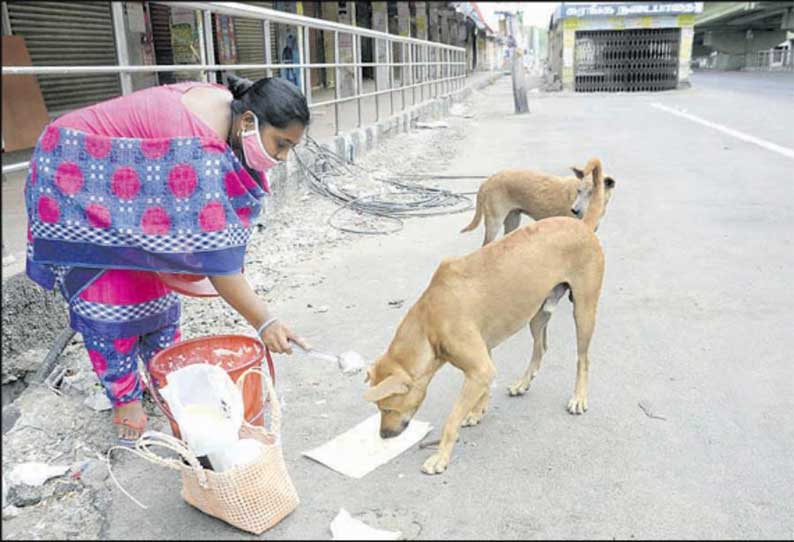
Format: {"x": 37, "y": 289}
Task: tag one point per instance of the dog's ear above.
{"x": 609, "y": 182}
{"x": 391, "y": 385}
{"x": 578, "y": 172}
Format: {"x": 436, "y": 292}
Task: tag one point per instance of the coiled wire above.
{"x": 397, "y": 199}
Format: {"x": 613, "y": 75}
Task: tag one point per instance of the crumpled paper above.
{"x": 345, "y": 527}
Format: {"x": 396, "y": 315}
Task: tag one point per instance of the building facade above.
{"x": 85, "y": 34}
{"x": 622, "y": 46}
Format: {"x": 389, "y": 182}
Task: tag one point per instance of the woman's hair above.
{"x": 274, "y": 101}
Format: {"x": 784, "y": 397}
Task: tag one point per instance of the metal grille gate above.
{"x": 626, "y": 60}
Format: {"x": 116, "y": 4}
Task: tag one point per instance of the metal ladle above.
{"x": 349, "y": 362}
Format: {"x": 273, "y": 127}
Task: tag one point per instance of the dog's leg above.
{"x": 512, "y": 221}
{"x": 491, "y": 228}
{"x": 540, "y": 339}
{"x": 584, "y": 313}
{"x": 479, "y": 373}
{"x": 475, "y": 416}
{"x": 538, "y": 326}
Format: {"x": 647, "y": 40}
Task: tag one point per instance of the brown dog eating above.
{"x": 475, "y": 302}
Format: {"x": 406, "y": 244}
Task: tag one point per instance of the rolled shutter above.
{"x": 68, "y": 34}
{"x": 249, "y": 37}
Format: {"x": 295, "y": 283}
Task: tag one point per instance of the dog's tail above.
{"x": 477, "y": 213}
{"x": 596, "y": 206}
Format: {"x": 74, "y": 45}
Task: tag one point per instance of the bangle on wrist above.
{"x": 264, "y": 326}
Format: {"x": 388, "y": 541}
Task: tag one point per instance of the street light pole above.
{"x": 520, "y": 83}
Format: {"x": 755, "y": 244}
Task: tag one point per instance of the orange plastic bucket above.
{"x": 233, "y": 353}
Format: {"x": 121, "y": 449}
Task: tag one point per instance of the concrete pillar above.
{"x": 569, "y": 27}
{"x": 380, "y": 22}
{"x": 403, "y": 29}
{"x": 460, "y": 30}
{"x": 685, "y": 51}
{"x": 433, "y": 30}
{"x": 443, "y": 24}
{"x": 380, "y": 16}
{"x": 484, "y": 52}
{"x": 421, "y": 20}
{"x": 403, "y": 19}
{"x": 330, "y": 12}
{"x": 347, "y": 15}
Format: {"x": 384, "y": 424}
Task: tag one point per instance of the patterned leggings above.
{"x": 115, "y": 361}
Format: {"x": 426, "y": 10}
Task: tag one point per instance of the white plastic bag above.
{"x": 207, "y": 405}
{"x": 241, "y": 453}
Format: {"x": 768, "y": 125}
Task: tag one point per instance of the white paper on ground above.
{"x": 35, "y": 473}
{"x": 345, "y": 527}
{"x": 361, "y": 450}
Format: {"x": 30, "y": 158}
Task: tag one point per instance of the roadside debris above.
{"x": 397, "y": 303}
{"x": 432, "y": 125}
{"x": 35, "y": 473}
{"x": 346, "y": 527}
{"x": 98, "y": 401}
{"x": 460, "y": 110}
{"x": 648, "y": 410}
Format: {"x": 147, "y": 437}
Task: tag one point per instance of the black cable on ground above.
{"x": 405, "y": 199}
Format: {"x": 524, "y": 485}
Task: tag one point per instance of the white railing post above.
{"x": 268, "y": 48}
{"x": 377, "y": 79}
{"x": 403, "y": 78}
{"x": 306, "y": 58}
{"x": 122, "y": 52}
{"x": 411, "y": 71}
{"x": 302, "y": 85}
{"x": 357, "y": 74}
{"x": 337, "y": 83}
{"x": 209, "y": 45}
{"x": 202, "y": 46}
{"x": 389, "y": 61}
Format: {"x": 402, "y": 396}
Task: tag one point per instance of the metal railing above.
{"x": 426, "y": 68}
{"x": 772, "y": 59}
{"x": 769, "y": 60}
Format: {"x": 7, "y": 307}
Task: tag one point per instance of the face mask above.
{"x": 256, "y": 156}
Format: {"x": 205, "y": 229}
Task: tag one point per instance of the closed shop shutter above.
{"x": 161, "y": 34}
{"x": 633, "y": 60}
{"x": 68, "y": 34}
{"x": 249, "y": 37}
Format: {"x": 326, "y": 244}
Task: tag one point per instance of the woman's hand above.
{"x": 277, "y": 338}
{"x": 236, "y": 291}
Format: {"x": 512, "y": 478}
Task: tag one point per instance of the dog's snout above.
{"x": 389, "y": 433}
{"x": 574, "y": 211}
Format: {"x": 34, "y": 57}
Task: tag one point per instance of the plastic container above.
{"x": 233, "y": 353}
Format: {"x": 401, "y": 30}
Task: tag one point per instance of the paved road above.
{"x": 694, "y": 321}
{"x": 759, "y": 84}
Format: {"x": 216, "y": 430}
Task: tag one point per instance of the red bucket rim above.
{"x": 164, "y": 354}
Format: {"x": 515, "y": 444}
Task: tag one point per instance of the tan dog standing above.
{"x": 505, "y": 196}
{"x": 475, "y": 302}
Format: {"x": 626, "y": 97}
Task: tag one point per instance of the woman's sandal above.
{"x": 140, "y": 426}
